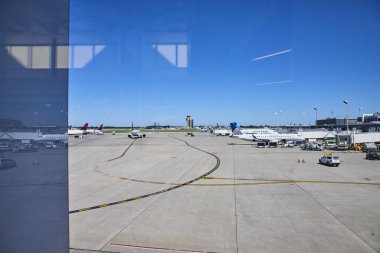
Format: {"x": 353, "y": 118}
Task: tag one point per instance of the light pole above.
{"x": 316, "y": 116}
{"x": 303, "y": 119}
{"x": 35, "y": 118}
{"x": 276, "y": 113}
{"x": 346, "y": 102}
{"x": 360, "y": 115}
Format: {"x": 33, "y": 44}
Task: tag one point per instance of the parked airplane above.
{"x": 98, "y": 130}
{"x": 75, "y": 131}
{"x": 222, "y": 132}
{"x": 51, "y": 137}
{"x": 242, "y": 136}
{"x": 236, "y": 130}
{"x": 247, "y": 134}
{"x": 136, "y": 134}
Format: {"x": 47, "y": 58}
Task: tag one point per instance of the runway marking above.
{"x": 294, "y": 181}
{"x": 125, "y": 151}
{"x": 289, "y": 182}
{"x": 258, "y": 181}
{"x": 156, "y": 248}
{"x": 157, "y": 192}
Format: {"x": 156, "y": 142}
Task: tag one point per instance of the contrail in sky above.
{"x": 260, "y": 84}
{"x": 270, "y": 55}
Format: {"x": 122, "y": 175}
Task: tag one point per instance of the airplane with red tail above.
{"x": 76, "y": 131}
{"x": 98, "y": 130}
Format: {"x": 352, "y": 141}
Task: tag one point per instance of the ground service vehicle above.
{"x": 329, "y": 160}
{"x": 7, "y": 163}
{"x": 373, "y": 155}
{"x": 288, "y": 144}
{"x": 5, "y": 146}
{"x": 260, "y": 145}
{"x": 312, "y": 146}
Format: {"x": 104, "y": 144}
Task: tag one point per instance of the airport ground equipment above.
{"x": 330, "y": 160}
{"x": 288, "y": 144}
{"x": 7, "y": 163}
{"x": 369, "y": 146}
{"x": 260, "y": 145}
{"x": 312, "y": 146}
{"x": 358, "y": 147}
{"x": 5, "y": 146}
{"x": 373, "y": 155}
{"x": 301, "y": 160}
{"x": 25, "y": 148}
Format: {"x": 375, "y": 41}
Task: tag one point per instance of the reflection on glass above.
{"x": 62, "y": 59}
{"x": 32, "y": 57}
{"x": 20, "y": 54}
{"x": 182, "y": 56}
{"x": 40, "y": 57}
{"x": 33, "y": 126}
{"x": 82, "y": 55}
{"x": 176, "y": 55}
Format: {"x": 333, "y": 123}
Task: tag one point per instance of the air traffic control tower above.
{"x": 189, "y": 122}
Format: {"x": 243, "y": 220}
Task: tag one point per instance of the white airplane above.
{"x": 75, "y": 131}
{"x": 52, "y": 137}
{"x": 98, "y": 130}
{"x": 222, "y": 132}
{"x": 247, "y": 134}
{"x": 276, "y": 137}
{"x": 242, "y": 136}
{"x": 136, "y": 134}
{"x": 236, "y": 130}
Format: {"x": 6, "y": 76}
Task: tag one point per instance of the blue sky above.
{"x": 157, "y": 61}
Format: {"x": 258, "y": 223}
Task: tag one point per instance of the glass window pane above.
{"x": 62, "y": 56}
{"x": 20, "y": 55}
{"x": 41, "y": 57}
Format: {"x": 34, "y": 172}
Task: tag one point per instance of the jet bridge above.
{"x": 352, "y": 138}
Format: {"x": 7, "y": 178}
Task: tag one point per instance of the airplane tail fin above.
{"x": 235, "y": 128}
{"x": 84, "y": 127}
{"x": 233, "y": 125}
{"x": 100, "y": 127}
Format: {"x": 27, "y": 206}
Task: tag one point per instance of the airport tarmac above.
{"x": 172, "y": 193}
{"x": 33, "y": 199}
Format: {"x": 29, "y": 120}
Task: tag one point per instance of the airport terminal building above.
{"x": 335, "y": 122}
{"x": 366, "y": 123}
